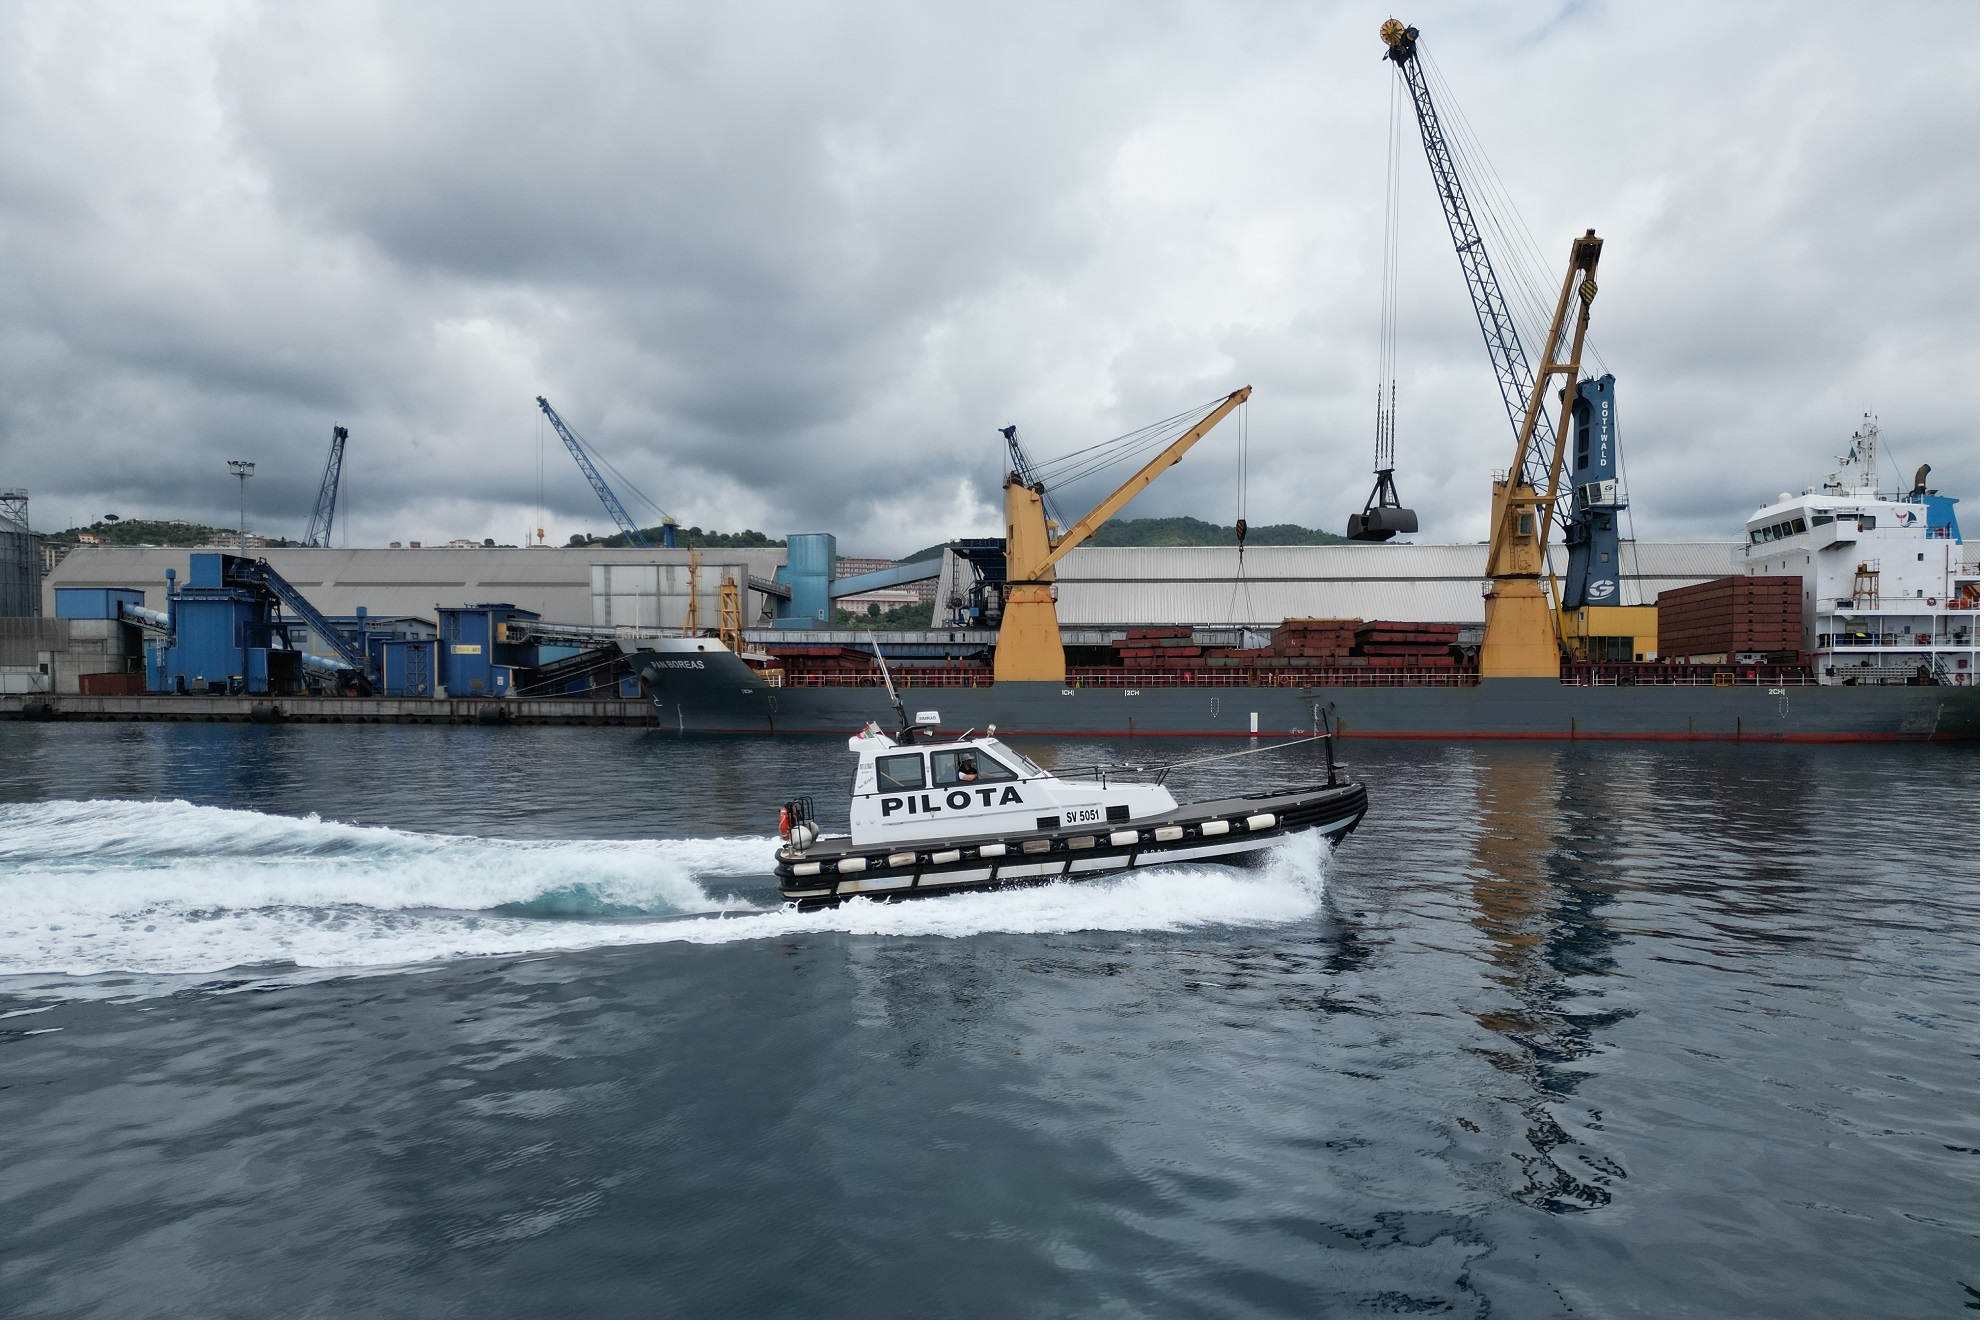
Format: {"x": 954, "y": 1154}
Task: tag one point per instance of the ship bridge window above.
{"x": 947, "y": 767}
{"x": 1818, "y": 519}
{"x": 1866, "y": 523}
{"x": 899, "y": 772}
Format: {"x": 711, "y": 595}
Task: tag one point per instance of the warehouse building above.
{"x": 575, "y": 586}
{"x": 1129, "y": 586}
{"x": 1100, "y": 587}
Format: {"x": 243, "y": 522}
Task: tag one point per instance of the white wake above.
{"x": 165, "y": 887}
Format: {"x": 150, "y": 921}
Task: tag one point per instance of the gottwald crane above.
{"x": 1521, "y": 638}
{"x": 326, "y": 509}
{"x": 606, "y": 496}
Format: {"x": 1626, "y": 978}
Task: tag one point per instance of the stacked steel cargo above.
{"x": 1743, "y": 617}
{"x": 803, "y": 663}
{"x": 1406, "y": 646}
{"x": 1299, "y": 652}
{"x": 1311, "y": 643}
{"x": 1160, "y": 648}
{"x": 832, "y": 665}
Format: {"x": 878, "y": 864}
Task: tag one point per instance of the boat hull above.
{"x": 1231, "y": 831}
{"x": 720, "y": 695}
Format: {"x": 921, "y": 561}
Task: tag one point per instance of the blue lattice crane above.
{"x": 326, "y": 509}
{"x": 1521, "y": 619}
{"x": 1513, "y": 373}
{"x": 1589, "y": 499}
{"x": 606, "y": 496}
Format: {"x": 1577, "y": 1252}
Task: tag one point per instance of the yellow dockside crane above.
{"x": 1030, "y": 630}
{"x": 1520, "y": 638}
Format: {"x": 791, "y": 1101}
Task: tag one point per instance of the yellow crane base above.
{"x": 1030, "y": 637}
{"x": 1520, "y": 638}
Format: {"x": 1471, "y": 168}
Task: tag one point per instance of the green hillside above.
{"x": 154, "y": 533}
{"x": 1184, "y": 531}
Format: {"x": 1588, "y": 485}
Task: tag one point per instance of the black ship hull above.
{"x": 718, "y": 694}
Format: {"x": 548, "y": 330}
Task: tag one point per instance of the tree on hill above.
{"x": 1184, "y": 531}
{"x": 909, "y": 616}
{"x": 693, "y": 536}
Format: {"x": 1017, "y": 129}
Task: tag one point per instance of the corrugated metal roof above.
{"x": 1100, "y": 586}
{"x": 1377, "y": 581}
{"x": 555, "y": 582}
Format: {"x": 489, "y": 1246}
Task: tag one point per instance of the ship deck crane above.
{"x": 326, "y": 509}
{"x": 606, "y": 495}
{"x": 1029, "y": 645}
{"x": 1522, "y": 637}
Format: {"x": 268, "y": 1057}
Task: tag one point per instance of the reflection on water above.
{"x": 1537, "y": 886}
{"x": 1605, "y": 1030}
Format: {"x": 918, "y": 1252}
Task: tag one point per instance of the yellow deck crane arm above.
{"x": 1521, "y": 634}
{"x": 1029, "y": 630}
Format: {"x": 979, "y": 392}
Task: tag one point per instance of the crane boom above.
{"x": 1513, "y": 373}
{"x": 1029, "y": 646}
{"x": 586, "y": 467}
{"x": 1085, "y": 527}
{"x": 319, "y": 534}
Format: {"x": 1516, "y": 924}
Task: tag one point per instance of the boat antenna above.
{"x": 1327, "y": 718}
{"x": 903, "y": 728}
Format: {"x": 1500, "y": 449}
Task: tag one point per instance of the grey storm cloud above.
{"x": 791, "y": 265}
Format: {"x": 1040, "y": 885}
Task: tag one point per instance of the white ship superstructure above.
{"x": 1891, "y": 589}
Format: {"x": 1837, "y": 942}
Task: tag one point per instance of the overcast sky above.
{"x": 791, "y": 265}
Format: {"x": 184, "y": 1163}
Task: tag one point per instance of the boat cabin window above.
{"x": 953, "y": 767}
{"x": 899, "y": 772}
{"x": 1013, "y": 758}
{"x": 1821, "y": 519}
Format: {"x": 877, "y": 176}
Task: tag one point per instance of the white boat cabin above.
{"x": 972, "y": 787}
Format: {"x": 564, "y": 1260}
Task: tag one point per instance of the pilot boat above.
{"x": 931, "y": 815}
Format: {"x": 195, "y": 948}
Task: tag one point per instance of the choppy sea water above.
{"x": 413, "y": 1021}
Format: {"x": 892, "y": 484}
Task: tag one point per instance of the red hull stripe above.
{"x": 1727, "y": 737}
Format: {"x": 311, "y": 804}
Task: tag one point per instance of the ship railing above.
{"x": 1294, "y": 678}
{"x": 1111, "y": 678}
{"x": 1709, "y": 675}
{"x": 943, "y": 678}
{"x": 1591, "y": 675}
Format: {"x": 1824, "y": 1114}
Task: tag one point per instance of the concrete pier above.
{"x": 263, "y": 708}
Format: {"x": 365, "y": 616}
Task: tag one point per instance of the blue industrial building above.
{"x": 474, "y": 653}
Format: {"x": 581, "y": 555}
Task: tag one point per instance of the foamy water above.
{"x": 170, "y": 888}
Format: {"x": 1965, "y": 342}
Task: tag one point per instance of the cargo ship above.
{"x": 700, "y": 685}
{"x": 1855, "y": 619}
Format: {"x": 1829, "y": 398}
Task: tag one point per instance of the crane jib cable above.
{"x": 1089, "y": 460}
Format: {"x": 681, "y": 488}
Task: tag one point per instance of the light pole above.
{"x": 244, "y": 470}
